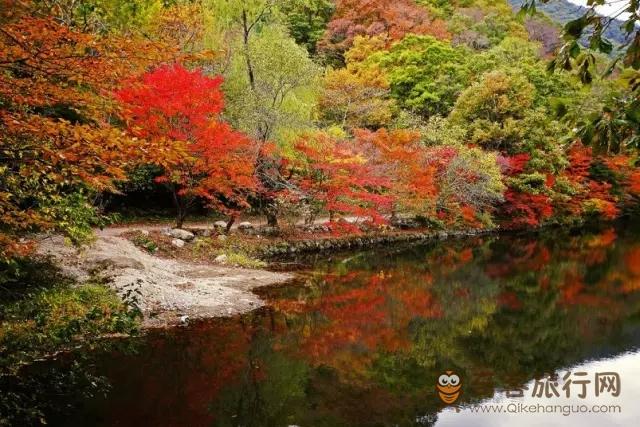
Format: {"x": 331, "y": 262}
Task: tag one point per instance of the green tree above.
{"x": 307, "y": 20}
{"x": 426, "y": 75}
{"x": 617, "y": 127}
{"x": 271, "y": 84}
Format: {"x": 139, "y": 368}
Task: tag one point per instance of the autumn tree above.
{"x": 57, "y": 144}
{"x": 180, "y": 109}
{"x": 307, "y": 20}
{"x": 426, "y": 75}
{"x": 446, "y": 180}
{"x": 358, "y": 95}
{"x": 342, "y": 179}
{"x": 270, "y": 83}
{"x": 391, "y": 20}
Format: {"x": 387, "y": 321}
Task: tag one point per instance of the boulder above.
{"x": 221, "y": 258}
{"x": 405, "y": 223}
{"x": 178, "y": 233}
{"x": 114, "y": 262}
{"x": 245, "y": 226}
{"x": 220, "y": 225}
{"x": 178, "y": 243}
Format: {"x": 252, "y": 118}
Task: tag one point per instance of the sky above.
{"x": 606, "y": 10}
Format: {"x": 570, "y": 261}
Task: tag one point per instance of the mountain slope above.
{"x": 563, "y": 11}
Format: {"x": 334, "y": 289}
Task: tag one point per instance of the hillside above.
{"x": 563, "y": 11}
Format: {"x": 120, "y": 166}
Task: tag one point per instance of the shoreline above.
{"x": 171, "y": 291}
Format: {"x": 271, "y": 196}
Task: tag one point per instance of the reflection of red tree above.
{"x": 510, "y": 300}
{"x": 530, "y": 256}
{"x": 363, "y": 315}
{"x": 199, "y": 365}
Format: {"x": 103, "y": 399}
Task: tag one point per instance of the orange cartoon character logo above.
{"x": 448, "y": 387}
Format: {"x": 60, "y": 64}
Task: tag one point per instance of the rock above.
{"x": 178, "y": 243}
{"x": 184, "y": 320}
{"x": 144, "y": 232}
{"x": 222, "y": 238}
{"x": 206, "y": 233}
{"x": 178, "y": 233}
{"x": 247, "y": 228}
{"x": 316, "y": 228}
{"x": 116, "y": 263}
{"x": 220, "y": 225}
{"x": 221, "y": 258}
{"x": 405, "y": 223}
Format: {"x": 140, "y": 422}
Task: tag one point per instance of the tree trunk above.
{"x": 181, "y": 207}
{"x": 272, "y": 219}
{"x": 246, "y": 31}
{"x": 232, "y": 220}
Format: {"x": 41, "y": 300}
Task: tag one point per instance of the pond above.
{"x": 539, "y": 329}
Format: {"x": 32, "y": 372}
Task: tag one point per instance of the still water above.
{"x": 363, "y": 338}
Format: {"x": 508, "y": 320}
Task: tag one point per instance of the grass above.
{"x": 145, "y": 242}
{"x": 41, "y": 315}
{"x": 237, "y": 251}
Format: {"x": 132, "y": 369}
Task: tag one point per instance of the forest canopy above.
{"x": 445, "y": 111}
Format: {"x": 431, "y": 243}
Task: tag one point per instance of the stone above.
{"x": 222, "y": 237}
{"x": 220, "y": 225}
{"x": 178, "y": 243}
{"x": 178, "y": 233}
{"x": 405, "y": 223}
{"x": 115, "y": 262}
{"x": 206, "y": 233}
{"x": 245, "y": 226}
{"x": 221, "y": 258}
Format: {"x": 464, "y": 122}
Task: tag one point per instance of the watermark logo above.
{"x": 449, "y": 387}
{"x": 603, "y": 383}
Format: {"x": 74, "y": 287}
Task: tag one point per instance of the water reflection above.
{"x": 364, "y": 340}
{"x": 611, "y": 410}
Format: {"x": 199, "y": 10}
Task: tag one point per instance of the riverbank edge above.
{"x": 326, "y": 244}
{"x": 321, "y": 245}
{"x": 240, "y": 282}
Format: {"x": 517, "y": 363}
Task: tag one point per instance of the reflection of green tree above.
{"x": 269, "y": 392}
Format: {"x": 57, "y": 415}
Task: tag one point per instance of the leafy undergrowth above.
{"x": 43, "y": 312}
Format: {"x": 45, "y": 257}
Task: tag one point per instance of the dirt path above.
{"x": 166, "y": 289}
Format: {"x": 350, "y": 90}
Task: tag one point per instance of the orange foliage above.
{"x": 391, "y": 20}
{"x": 55, "y": 130}
{"x": 343, "y": 179}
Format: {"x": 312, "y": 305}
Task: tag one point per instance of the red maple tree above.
{"x": 344, "y": 181}
{"x": 201, "y": 155}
